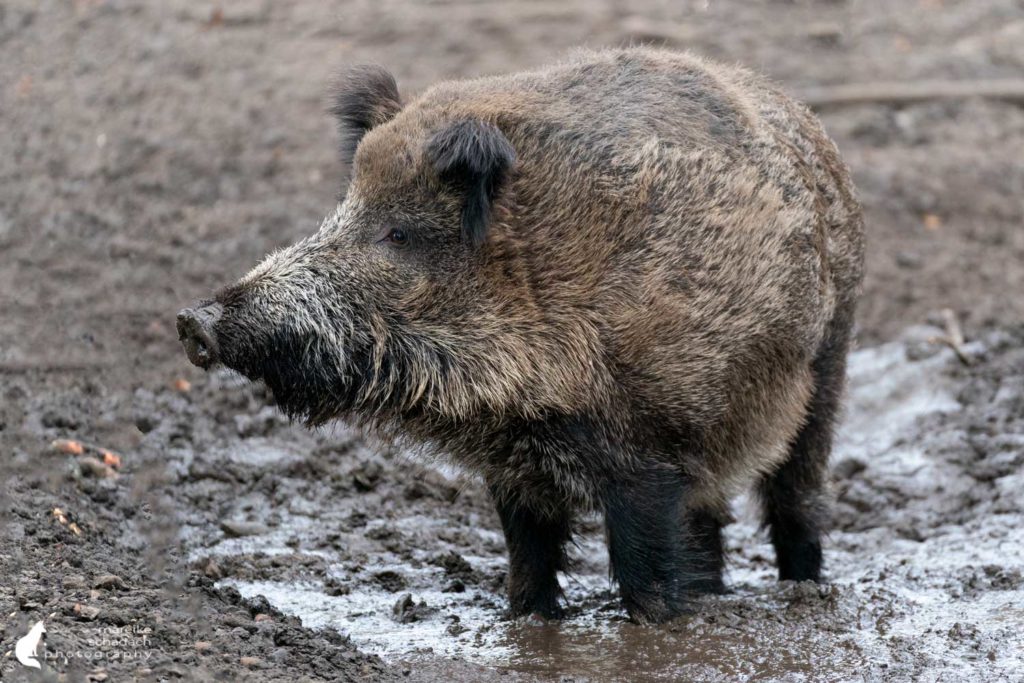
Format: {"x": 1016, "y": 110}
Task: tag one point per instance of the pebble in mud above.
{"x": 407, "y": 610}
{"x": 239, "y": 528}
{"x": 260, "y": 424}
{"x": 431, "y": 484}
{"x": 73, "y": 582}
{"x": 93, "y": 467}
{"x": 109, "y": 582}
{"x": 455, "y": 628}
{"x": 847, "y": 468}
{"x": 336, "y": 587}
{"x": 366, "y": 475}
{"x": 455, "y": 566}
{"x": 85, "y": 612}
{"x": 212, "y": 570}
{"x": 390, "y": 581}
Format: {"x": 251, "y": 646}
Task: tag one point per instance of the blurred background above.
{"x": 155, "y": 150}
{"x": 152, "y": 151}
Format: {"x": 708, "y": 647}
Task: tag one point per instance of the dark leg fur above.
{"x": 659, "y": 556}
{"x": 793, "y": 496}
{"x": 705, "y": 531}
{"x": 536, "y": 550}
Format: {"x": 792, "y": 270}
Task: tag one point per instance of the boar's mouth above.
{"x": 310, "y": 381}
{"x": 317, "y": 370}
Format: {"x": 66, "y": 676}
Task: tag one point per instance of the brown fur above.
{"x": 680, "y": 254}
{"x": 674, "y": 246}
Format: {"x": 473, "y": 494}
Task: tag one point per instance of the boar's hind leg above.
{"x": 649, "y": 544}
{"x": 536, "y": 553}
{"x": 793, "y": 496}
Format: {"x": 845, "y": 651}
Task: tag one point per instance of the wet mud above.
{"x": 925, "y": 562}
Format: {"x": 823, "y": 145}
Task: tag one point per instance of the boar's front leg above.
{"x": 704, "y": 537}
{"x": 650, "y": 547}
{"x": 536, "y": 553}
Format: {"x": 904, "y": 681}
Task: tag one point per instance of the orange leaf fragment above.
{"x": 68, "y": 446}
{"x": 111, "y": 458}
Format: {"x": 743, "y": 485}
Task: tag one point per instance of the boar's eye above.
{"x": 397, "y": 237}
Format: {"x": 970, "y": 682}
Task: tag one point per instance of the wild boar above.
{"x": 623, "y": 283}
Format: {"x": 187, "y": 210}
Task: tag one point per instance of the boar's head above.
{"x": 417, "y": 297}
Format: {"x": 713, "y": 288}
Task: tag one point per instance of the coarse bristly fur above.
{"x": 624, "y": 282}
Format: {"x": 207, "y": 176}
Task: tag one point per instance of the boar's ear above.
{"x": 478, "y": 157}
{"x": 365, "y": 97}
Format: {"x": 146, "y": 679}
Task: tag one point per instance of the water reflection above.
{"x": 692, "y": 648}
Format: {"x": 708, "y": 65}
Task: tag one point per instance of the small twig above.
{"x": 954, "y": 338}
{"x": 897, "y": 92}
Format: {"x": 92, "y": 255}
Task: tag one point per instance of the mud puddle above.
{"x": 925, "y": 562}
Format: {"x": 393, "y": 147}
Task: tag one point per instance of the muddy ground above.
{"x": 152, "y": 151}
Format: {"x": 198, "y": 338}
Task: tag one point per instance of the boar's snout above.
{"x": 196, "y": 333}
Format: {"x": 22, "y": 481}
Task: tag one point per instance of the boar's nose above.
{"x": 195, "y": 331}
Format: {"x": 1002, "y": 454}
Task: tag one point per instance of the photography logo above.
{"x": 25, "y": 648}
{"x": 107, "y": 643}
